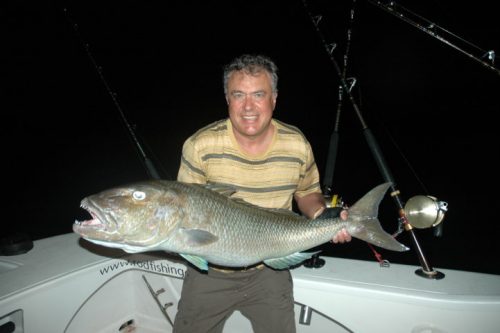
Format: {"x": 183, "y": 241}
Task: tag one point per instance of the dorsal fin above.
{"x": 228, "y": 191}
{"x": 225, "y": 190}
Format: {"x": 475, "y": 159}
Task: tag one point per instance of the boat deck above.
{"x": 84, "y": 277}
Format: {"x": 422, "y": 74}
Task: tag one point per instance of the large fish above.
{"x": 203, "y": 224}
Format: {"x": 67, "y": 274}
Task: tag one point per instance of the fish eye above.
{"x": 139, "y": 195}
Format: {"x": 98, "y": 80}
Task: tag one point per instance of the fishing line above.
{"x": 149, "y": 166}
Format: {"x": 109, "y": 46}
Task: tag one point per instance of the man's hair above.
{"x": 252, "y": 64}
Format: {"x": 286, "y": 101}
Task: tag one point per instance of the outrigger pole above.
{"x": 150, "y": 168}
{"x": 426, "y": 271}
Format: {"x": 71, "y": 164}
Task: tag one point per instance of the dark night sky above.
{"x": 431, "y": 108}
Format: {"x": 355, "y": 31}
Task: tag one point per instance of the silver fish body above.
{"x": 205, "y": 225}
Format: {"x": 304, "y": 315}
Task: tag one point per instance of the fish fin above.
{"x": 195, "y": 260}
{"x": 225, "y": 190}
{"x": 125, "y": 247}
{"x": 197, "y": 237}
{"x": 290, "y": 260}
{"x": 134, "y": 249}
{"x": 228, "y": 191}
{"x": 368, "y": 205}
{"x": 365, "y": 224}
{"x": 371, "y": 231}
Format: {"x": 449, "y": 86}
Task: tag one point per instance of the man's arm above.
{"x": 313, "y": 205}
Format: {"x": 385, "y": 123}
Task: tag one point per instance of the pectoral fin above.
{"x": 197, "y": 237}
{"x": 290, "y": 260}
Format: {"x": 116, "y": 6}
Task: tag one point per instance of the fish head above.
{"x": 135, "y": 218}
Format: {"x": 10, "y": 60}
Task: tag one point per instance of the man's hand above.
{"x": 342, "y": 237}
{"x": 337, "y": 212}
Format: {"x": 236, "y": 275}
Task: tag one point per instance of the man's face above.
{"x": 251, "y": 103}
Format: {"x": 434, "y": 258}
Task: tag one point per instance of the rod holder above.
{"x": 305, "y": 315}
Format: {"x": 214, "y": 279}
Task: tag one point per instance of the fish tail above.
{"x": 365, "y": 224}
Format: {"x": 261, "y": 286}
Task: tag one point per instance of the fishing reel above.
{"x": 333, "y": 200}
{"x": 425, "y": 211}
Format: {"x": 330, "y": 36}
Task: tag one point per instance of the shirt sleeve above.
{"x": 309, "y": 183}
{"x": 191, "y": 168}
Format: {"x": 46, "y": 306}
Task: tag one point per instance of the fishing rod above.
{"x": 334, "y": 139}
{"x": 315, "y": 261}
{"x": 426, "y": 269}
{"x": 485, "y": 58}
{"x": 150, "y": 168}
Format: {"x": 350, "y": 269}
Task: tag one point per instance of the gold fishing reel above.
{"x": 425, "y": 211}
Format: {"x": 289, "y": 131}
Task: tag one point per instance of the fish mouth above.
{"x": 99, "y": 221}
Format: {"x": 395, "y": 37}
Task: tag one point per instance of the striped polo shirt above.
{"x": 212, "y": 155}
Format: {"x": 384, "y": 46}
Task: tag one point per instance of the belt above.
{"x": 237, "y": 269}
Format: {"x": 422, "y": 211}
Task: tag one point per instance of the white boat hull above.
{"x": 65, "y": 284}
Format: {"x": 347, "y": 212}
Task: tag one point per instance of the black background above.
{"x": 431, "y": 107}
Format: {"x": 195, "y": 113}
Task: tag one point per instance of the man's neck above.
{"x": 256, "y": 145}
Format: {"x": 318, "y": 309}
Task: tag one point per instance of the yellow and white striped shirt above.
{"x": 212, "y": 155}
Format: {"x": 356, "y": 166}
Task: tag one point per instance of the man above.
{"x": 268, "y": 163}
